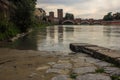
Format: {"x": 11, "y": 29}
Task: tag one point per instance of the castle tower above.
{"x": 60, "y": 15}
{"x": 51, "y": 16}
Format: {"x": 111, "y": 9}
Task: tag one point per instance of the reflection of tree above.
{"x": 60, "y": 32}
{"x": 107, "y": 31}
{"x": 110, "y": 30}
{"x": 70, "y": 29}
{"x": 28, "y": 42}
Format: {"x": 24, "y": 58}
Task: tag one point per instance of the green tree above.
{"x": 69, "y": 16}
{"x": 24, "y": 14}
{"x": 7, "y": 28}
{"x": 116, "y": 16}
{"x": 108, "y": 17}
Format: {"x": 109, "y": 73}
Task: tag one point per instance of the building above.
{"x": 6, "y": 7}
{"x": 51, "y": 16}
{"x": 60, "y": 15}
{"x": 40, "y": 14}
{"x": 77, "y": 20}
{"x": 56, "y": 20}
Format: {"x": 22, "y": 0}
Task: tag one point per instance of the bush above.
{"x": 7, "y": 30}
{"x": 100, "y": 70}
{"x": 115, "y": 77}
{"x": 73, "y": 75}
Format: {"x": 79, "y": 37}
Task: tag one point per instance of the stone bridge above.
{"x": 86, "y": 21}
{"x": 68, "y": 22}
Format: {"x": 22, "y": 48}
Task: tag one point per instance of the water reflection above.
{"x": 113, "y": 31}
{"x": 56, "y": 38}
{"x": 59, "y": 37}
{"x": 113, "y": 35}
{"x": 27, "y": 42}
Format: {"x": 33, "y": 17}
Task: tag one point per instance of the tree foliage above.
{"x": 24, "y": 13}
{"x": 110, "y": 16}
{"x": 69, "y": 16}
{"x": 19, "y": 19}
{"x": 116, "y": 16}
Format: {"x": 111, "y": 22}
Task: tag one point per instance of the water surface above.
{"x": 58, "y": 37}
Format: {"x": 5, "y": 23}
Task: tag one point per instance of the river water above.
{"x": 58, "y": 37}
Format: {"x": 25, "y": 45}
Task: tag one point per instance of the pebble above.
{"x": 58, "y": 71}
{"x": 112, "y": 70}
{"x": 102, "y": 64}
{"x": 63, "y": 66}
{"x": 93, "y": 77}
{"x": 84, "y": 70}
{"x": 52, "y": 63}
{"x": 42, "y": 68}
{"x": 61, "y": 77}
{"x": 32, "y": 75}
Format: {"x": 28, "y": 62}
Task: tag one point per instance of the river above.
{"x": 58, "y": 37}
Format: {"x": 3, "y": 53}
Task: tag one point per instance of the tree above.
{"x": 24, "y": 14}
{"x": 69, "y": 16}
{"x": 116, "y": 16}
{"x": 108, "y": 17}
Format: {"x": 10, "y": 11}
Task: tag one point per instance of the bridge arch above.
{"x": 97, "y": 22}
{"x": 85, "y": 22}
{"x": 68, "y": 22}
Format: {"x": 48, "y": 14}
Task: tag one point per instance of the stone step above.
{"x": 102, "y": 53}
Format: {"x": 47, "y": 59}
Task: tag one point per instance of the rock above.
{"x": 61, "y": 77}
{"x": 92, "y": 60}
{"x": 32, "y": 75}
{"x": 58, "y": 71}
{"x": 93, "y": 77}
{"x": 63, "y": 61}
{"x": 64, "y": 58}
{"x": 81, "y": 64}
{"x": 83, "y": 55}
{"x": 84, "y": 70}
{"x": 103, "y": 64}
{"x": 51, "y": 63}
{"x": 42, "y": 68}
{"x": 63, "y": 66}
{"x": 80, "y": 59}
{"x": 79, "y": 54}
{"x": 112, "y": 71}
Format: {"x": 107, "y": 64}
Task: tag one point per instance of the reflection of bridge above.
{"x": 79, "y": 21}
{"x": 68, "y": 22}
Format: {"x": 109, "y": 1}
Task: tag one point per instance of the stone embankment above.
{"x": 20, "y": 35}
{"x": 42, "y": 65}
{"x": 95, "y": 51}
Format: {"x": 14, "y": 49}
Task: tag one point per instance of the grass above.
{"x": 73, "y": 75}
{"x": 114, "y": 77}
{"x": 100, "y": 70}
{"x": 7, "y": 30}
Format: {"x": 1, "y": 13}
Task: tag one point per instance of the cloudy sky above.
{"x": 81, "y": 8}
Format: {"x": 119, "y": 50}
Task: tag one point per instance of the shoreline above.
{"x": 28, "y": 64}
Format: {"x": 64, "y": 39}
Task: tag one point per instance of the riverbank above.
{"x": 115, "y": 22}
{"x": 42, "y": 65}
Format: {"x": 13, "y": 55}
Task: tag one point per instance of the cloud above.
{"x": 66, "y": 2}
{"x": 81, "y": 8}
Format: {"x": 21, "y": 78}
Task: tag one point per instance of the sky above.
{"x": 81, "y": 8}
